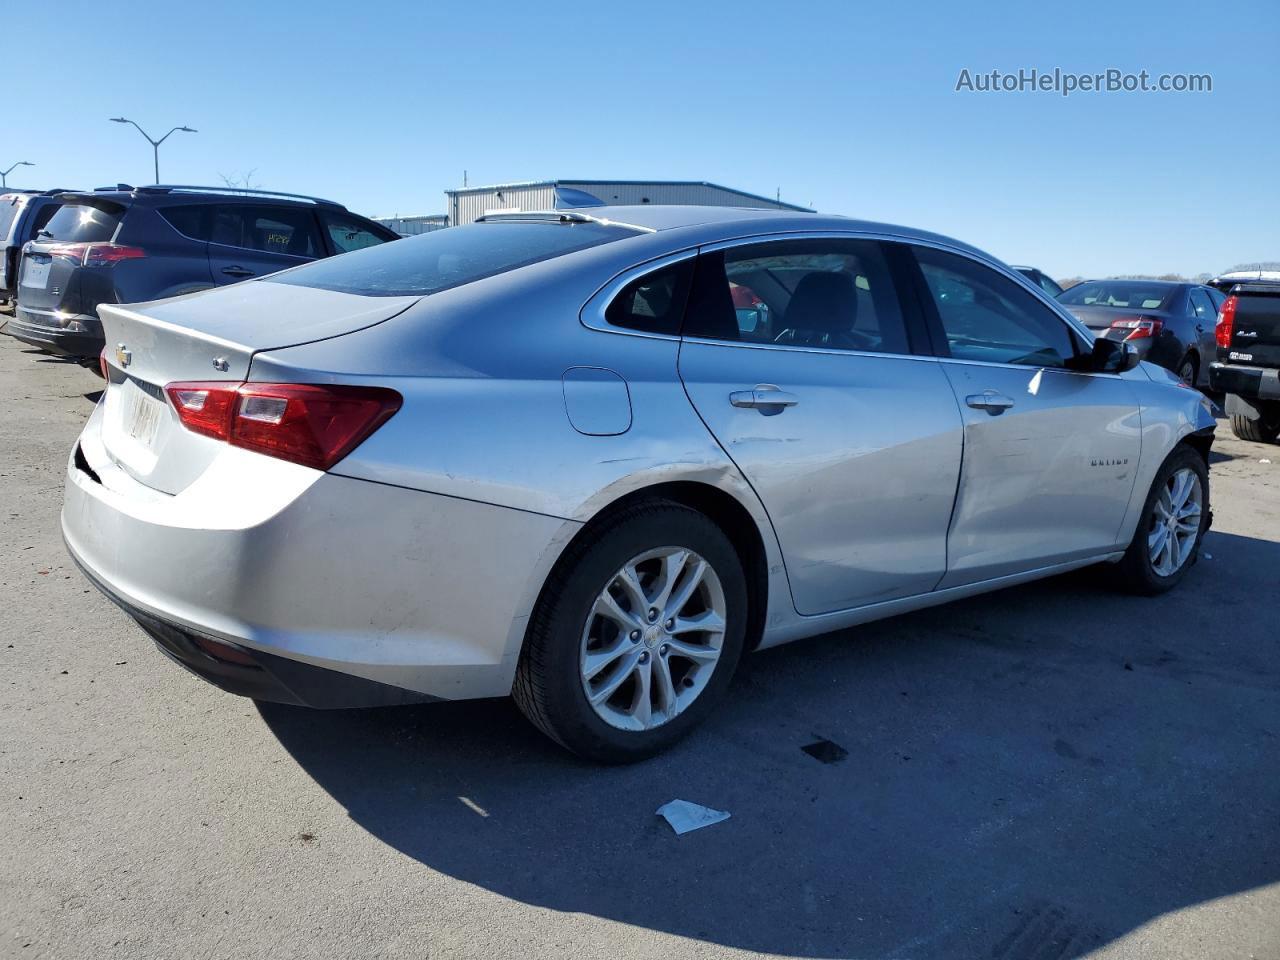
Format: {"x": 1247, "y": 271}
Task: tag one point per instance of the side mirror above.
{"x": 1108, "y": 356}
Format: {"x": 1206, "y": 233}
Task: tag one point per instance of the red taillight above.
{"x": 95, "y": 254}
{"x": 204, "y": 407}
{"x": 1140, "y": 327}
{"x": 315, "y": 426}
{"x": 102, "y": 364}
{"x": 1226, "y": 323}
{"x": 68, "y": 251}
{"x": 107, "y": 254}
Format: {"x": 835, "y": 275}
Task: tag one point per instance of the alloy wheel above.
{"x": 653, "y": 638}
{"x": 1175, "y": 522}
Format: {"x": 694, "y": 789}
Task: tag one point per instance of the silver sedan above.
{"x": 590, "y": 458}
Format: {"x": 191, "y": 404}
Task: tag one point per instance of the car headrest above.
{"x": 824, "y": 303}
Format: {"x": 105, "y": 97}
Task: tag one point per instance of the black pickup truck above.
{"x": 1248, "y": 365}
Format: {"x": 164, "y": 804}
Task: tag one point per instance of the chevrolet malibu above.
{"x": 589, "y": 459}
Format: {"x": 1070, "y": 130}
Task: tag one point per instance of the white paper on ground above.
{"x": 685, "y": 816}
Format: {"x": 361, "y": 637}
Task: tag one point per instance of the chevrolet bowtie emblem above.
{"x": 123, "y": 356}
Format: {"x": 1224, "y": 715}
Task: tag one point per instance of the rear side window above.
{"x": 193, "y": 222}
{"x": 82, "y": 223}
{"x": 655, "y": 302}
{"x": 1202, "y": 306}
{"x": 347, "y": 234}
{"x": 829, "y": 294}
{"x": 290, "y": 231}
{"x": 41, "y": 220}
{"x": 10, "y": 206}
{"x": 448, "y": 258}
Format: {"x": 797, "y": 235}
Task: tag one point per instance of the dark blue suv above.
{"x": 127, "y": 245}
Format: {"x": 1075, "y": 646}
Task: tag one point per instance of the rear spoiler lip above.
{"x": 105, "y": 204}
{"x": 122, "y": 311}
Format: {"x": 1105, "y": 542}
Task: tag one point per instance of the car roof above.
{"x": 1147, "y": 280}
{"x": 740, "y": 222}
{"x": 125, "y": 195}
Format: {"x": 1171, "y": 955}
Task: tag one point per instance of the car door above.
{"x": 1050, "y": 453}
{"x": 1206, "y": 324}
{"x": 252, "y": 240}
{"x": 796, "y": 355}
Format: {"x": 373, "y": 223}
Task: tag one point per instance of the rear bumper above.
{"x": 78, "y": 336}
{"x": 344, "y": 592}
{"x": 266, "y": 677}
{"x": 1260, "y": 382}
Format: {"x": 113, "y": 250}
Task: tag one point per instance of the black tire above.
{"x": 1136, "y": 573}
{"x": 1257, "y": 430}
{"x": 548, "y": 685}
{"x": 1188, "y": 370}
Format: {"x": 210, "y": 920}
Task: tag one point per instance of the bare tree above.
{"x": 241, "y": 183}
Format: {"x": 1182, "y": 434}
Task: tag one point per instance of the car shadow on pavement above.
{"x": 1032, "y": 773}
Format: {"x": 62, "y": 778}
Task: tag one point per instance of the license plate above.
{"x": 35, "y": 274}
{"x": 142, "y": 418}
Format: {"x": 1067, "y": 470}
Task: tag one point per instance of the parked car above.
{"x": 1247, "y": 369}
{"x": 22, "y": 214}
{"x": 1041, "y": 280}
{"x": 1171, "y": 324}
{"x": 129, "y": 245}
{"x": 562, "y": 456}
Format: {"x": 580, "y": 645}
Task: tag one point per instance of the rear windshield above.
{"x": 1134, "y": 294}
{"x": 81, "y": 223}
{"x": 10, "y": 206}
{"x": 449, "y": 258}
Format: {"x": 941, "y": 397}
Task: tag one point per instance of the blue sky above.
{"x": 848, "y": 106}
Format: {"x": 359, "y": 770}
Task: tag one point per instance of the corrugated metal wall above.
{"x": 466, "y": 207}
{"x": 695, "y": 194}
{"x": 412, "y": 226}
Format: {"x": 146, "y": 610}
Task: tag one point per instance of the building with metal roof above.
{"x": 412, "y": 226}
{"x": 465, "y": 204}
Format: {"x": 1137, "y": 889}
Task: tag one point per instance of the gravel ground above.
{"x": 1052, "y": 771}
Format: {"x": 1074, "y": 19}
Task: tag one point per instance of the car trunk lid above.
{"x": 1100, "y": 319}
{"x": 209, "y": 336}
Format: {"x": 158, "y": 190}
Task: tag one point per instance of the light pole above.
{"x": 21, "y": 163}
{"x": 155, "y": 144}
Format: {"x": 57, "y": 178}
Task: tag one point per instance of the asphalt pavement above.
{"x": 1049, "y": 772}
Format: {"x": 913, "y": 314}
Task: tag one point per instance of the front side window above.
{"x": 987, "y": 317}
{"x": 290, "y": 231}
{"x": 347, "y": 234}
{"x": 828, "y": 294}
{"x": 1048, "y": 284}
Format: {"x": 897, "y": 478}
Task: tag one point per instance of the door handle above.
{"x": 764, "y": 395}
{"x": 237, "y": 272}
{"x": 989, "y": 400}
